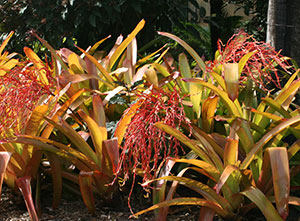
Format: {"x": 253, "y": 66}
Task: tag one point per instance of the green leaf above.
{"x": 184, "y": 139}
{"x": 188, "y": 201}
{"x": 267, "y": 137}
{"x": 232, "y": 108}
{"x": 189, "y": 49}
{"x": 261, "y": 201}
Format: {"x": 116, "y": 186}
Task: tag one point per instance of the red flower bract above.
{"x": 260, "y": 66}
{"x": 145, "y": 145}
{"x": 20, "y": 91}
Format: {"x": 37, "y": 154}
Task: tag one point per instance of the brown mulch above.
{"x": 13, "y": 208}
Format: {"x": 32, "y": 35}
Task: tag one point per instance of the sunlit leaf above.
{"x": 261, "y": 201}
{"x": 189, "y": 49}
{"x": 281, "y": 178}
{"x": 125, "y": 43}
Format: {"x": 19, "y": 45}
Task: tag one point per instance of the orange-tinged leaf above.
{"x": 37, "y": 62}
{"x": 63, "y": 151}
{"x": 261, "y": 201}
{"x": 244, "y": 60}
{"x": 75, "y": 138}
{"x": 117, "y": 53}
{"x": 125, "y": 120}
{"x": 231, "y": 151}
{"x": 4, "y": 159}
{"x": 210, "y": 169}
{"x": 8, "y": 66}
{"x": 24, "y": 186}
{"x": 99, "y": 66}
{"x": 281, "y": 178}
{"x": 231, "y": 77}
{"x": 32, "y": 128}
{"x": 268, "y": 136}
{"x": 96, "y": 45}
{"x": 85, "y": 182}
{"x": 204, "y": 190}
{"x": 98, "y": 134}
{"x": 74, "y": 64}
{"x": 208, "y": 111}
{"x": 225, "y": 175}
{"x": 188, "y": 201}
{"x": 48, "y": 130}
{"x": 4, "y": 43}
{"x": 98, "y": 111}
{"x": 294, "y": 149}
{"x": 111, "y": 153}
{"x": 189, "y": 49}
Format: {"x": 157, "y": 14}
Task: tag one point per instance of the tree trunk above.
{"x": 283, "y": 28}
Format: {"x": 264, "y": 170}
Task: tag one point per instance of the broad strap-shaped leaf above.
{"x": 225, "y": 175}
{"x": 51, "y": 146}
{"x": 188, "y": 201}
{"x": 56, "y": 177}
{"x": 37, "y": 62}
{"x": 231, "y": 77}
{"x": 232, "y": 108}
{"x": 32, "y": 128}
{"x": 96, "y": 45}
{"x": 110, "y": 156}
{"x": 185, "y": 140}
{"x": 267, "y": 137}
{"x": 75, "y": 138}
{"x": 262, "y": 202}
{"x": 244, "y": 60}
{"x": 85, "y": 183}
{"x": 98, "y": 134}
{"x": 210, "y": 169}
{"x": 4, "y": 159}
{"x": 5, "y": 42}
{"x": 276, "y": 106}
{"x": 98, "y": 113}
{"x": 281, "y": 178}
{"x": 24, "y": 186}
{"x": 52, "y": 50}
{"x": 117, "y": 53}
{"x": 189, "y": 49}
{"x": 125, "y": 120}
{"x": 204, "y": 190}
{"x": 48, "y": 130}
{"x": 208, "y": 111}
{"x": 99, "y": 66}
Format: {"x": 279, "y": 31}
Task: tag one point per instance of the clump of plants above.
{"x": 174, "y": 117}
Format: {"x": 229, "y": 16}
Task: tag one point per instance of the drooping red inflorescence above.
{"x": 20, "y": 90}
{"x": 145, "y": 145}
{"x": 260, "y": 66}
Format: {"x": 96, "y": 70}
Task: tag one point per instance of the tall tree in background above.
{"x": 284, "y": 28}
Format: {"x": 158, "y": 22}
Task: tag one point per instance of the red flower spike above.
{"x": 259, "y": 66}
{"x": 145, "y": 145}
{"x": 20, "y": 91}
{"x": 24, "y": 186}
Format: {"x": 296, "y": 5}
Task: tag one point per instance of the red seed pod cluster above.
{"x": 145, "y": 145}
{"x": 261, "y": 65}
{"x": 20, "y": 90}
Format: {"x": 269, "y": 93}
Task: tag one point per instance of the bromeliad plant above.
{"x": 26, "y": 89}
{"x": 248, "y": 160}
